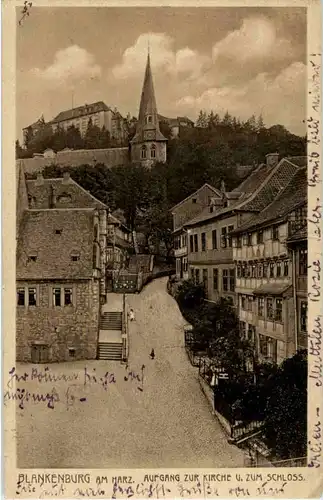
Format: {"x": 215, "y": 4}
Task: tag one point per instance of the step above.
{"x": 110, "y": 351}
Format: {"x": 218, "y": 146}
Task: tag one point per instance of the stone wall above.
{"x": 110, "y": 157}
{"x": 61, "y": 328}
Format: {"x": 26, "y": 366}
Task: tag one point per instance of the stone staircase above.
{"x": 110, "y": 339}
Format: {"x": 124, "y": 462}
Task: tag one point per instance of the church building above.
{"x": 148, "y": 145}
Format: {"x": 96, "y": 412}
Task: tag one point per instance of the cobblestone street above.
{"x": 168, "y": 424}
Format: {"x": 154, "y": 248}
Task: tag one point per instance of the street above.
{"x": 168, "y": 423}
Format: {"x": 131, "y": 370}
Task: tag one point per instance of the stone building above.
{"x": 148, "y": 144}
{"x": 265, "y": 266}
{"x": 100, "y": 114}
{"x": 62, "y": 242}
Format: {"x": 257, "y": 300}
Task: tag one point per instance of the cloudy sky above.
{"x": 244, "y": 60}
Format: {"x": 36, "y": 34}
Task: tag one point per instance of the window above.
{"x": 95, "y": 256}
{"x": 260, "y": 270}
{"x": 239, "y": 242}
{"x": 214, "y": 239}
{"x": 32, "y": 296}
{"x": 254, "y": 271}
{"x": 143, "y": 152}
{"x": 20, "y": 296}
{"x": 244, "y": 271}
{"x": 197, "y": 276}
{"x": 238, "y": 271}
{"x": 275, "y": 233}
{"x": 232, "y": 280}
{"x": 215, "y": 279}
{"x": 250, "y": 301}
{"x": 286, "y": 268}
{"x": 75, "y": 257}
{"x": 149, "y": 119}
{"x": 192, "y": 274}
{"x": 230, "y": 229}
{"x": 251, "y": 332}
{"x": 32, "y": 258}
{"x": 242, "y": 328}
{"x": 67, "y": 296}
{"x": 153, "y": 151}
{"x": 95, "y": 233}
{"x": 243, "y": 302}
{"x": 303, "y": 262}
{"x": 303, "y": 319}
{"x": 203, "y": 242}
{"x": 263, "y": 345}
{"x": 249, "y": 239}
{"x": 57, "y": 297}
{"x": 194, "y": 200}
{"x": 225, "y": 280}
{"x": 205, "y": 279}
{"x": 224, "y": 237}
{"x": 196, "y": 243}
{"x": 278, "y": 269}
{"x": 270, "y": 310}
{"x": 261, "y": 306}
{"x": 248, "y": 271}
{"x": 271, "y": 270}
{"x": 279, "y": 310}
{"x": 191, "y": 244}
{"x": 260, "y": 237}
{"x": 265, "y": 270}
{"x": 185, "y": 265}
{"x": 71, "y": 352}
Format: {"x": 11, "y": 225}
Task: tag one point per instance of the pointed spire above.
{"x": 148, "y": 101}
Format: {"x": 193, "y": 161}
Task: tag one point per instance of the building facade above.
{"x": 61, "y": 274}
{"x": 264, "y": 273}
{"x": 183, "y": 212}
{"x": 148, "y": 145}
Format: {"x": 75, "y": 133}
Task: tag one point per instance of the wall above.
{"x": 188, "y": 210}
{"x": 110, "y": 157}
{"x": 22, "y": 198}
{"x": 77, "y": 325}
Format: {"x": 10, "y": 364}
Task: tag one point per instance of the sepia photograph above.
{"x": 161, "y": 238}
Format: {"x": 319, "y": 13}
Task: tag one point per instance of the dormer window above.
{"x": 143, "y": 152}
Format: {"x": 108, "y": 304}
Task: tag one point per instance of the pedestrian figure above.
{"x": 152, "y": 354}
{"x": 131, "y": 315}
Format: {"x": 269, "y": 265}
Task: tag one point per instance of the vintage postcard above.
{"x": 162, "y": 249}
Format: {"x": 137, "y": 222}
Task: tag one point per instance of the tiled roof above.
{"x": 293, "y": 195}
{"x": 272, "y": 288}
{"x": 53, "y": 251}
{"x": 80, "y": 111}
{"x": 258, "y": 191}
{"x": 43, "y": 192}
{"x": 301, "y": 234}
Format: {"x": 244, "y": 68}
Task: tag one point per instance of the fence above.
{"x": 125, "y": 338}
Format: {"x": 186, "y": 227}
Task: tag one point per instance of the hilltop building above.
{"x": 148, "y": 144}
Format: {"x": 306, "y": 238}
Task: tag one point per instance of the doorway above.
{"x": 39, "y": 353}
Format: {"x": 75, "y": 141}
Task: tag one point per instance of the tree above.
{"x": 286, "y": 409}
{"x": 73, "y": 138}
{"x": 92, "y": 136}
{"x": 202, "y": 120}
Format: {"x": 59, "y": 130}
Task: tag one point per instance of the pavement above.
{"x": 159, "y": 420}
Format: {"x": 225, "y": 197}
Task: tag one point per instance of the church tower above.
{"x": 148, "y": 145}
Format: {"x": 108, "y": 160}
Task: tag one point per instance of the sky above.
{"x": 242, "y": 60}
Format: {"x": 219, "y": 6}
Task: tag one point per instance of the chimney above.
{"x": 40, "y": 179}
{"x": 272, "y": 159}
{"x": 66, "y": 177}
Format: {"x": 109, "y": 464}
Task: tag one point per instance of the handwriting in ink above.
{"x": 313, "y": 131}
{"x": 315, "y": 294}
{"x": 92, "y": 378}
{"x": 315, "y": 91}
{"x": 316, "y": 218}
{"x": 315, "y": 447}
{"x": 314, "y": 169}
{"x": 23, "y": 396}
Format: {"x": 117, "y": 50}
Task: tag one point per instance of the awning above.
{"x": 272, "y": 289}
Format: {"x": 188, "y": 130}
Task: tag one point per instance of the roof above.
{"x": 299, "y": 235}
{"x": 111, "y": 219}
{"x": 80, "y": 111}
{"x": 148, "y": 106}
{"x": 215, "y": 191}
{"x": 272, "y": 288}
{"x": 42, "y": 191}
{"x": 294, "y": 195}
{"x": 119, "y": 242}
{"x": 257, "y": 191}
{"x": 53, "y": 251}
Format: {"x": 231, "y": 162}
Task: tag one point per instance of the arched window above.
{"x": 153, "y": 151}
{"x": 149, "y": 119}
{"x": 143, "y": 152}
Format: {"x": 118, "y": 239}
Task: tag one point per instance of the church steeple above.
{"x": 148, "y": 144}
